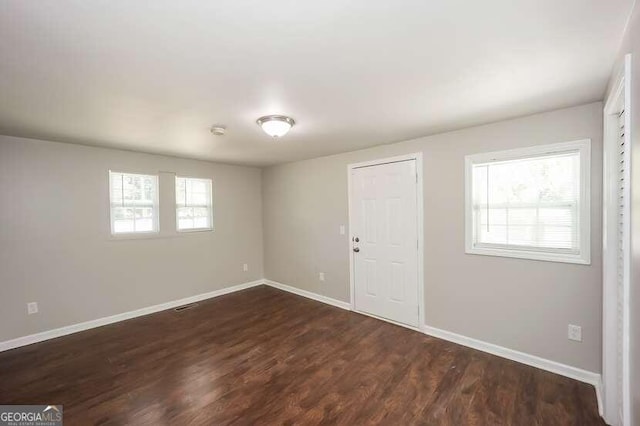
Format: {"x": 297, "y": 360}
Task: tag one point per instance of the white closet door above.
{"x": 622, "y": 255}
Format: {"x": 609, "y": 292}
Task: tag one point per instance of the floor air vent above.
{"x": 185, "y": 307}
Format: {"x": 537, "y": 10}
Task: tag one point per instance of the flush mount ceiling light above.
{"x": 276, "y": 125}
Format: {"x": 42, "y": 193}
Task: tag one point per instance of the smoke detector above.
{"x": 218, "y": 130}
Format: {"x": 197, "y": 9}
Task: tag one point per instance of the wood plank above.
{"x": 263, "y": 356}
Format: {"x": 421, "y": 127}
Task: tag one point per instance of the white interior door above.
{"x": 385, "y": 240}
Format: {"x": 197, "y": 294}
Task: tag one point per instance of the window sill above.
{"x": 530, "y": 255}
{"x": 188, "y": 231}
{"x": 156, "y": 235}
{"x": 134, "y": 236}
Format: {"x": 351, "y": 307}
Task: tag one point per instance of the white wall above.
{"x": 55, "y": 245}
{"x": 519, "y": 304}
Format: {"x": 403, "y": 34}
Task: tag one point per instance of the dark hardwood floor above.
{"x": 262, "y": 356}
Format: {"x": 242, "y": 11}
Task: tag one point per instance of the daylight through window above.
{"x": 134, "y": 203}
{"x": 194, "y": 210}
{"x": 532, "y": 205}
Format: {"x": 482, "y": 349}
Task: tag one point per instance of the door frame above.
{"x": 610, "y": 343}
{"x": 417, "y": 156}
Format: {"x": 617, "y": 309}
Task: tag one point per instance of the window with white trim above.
{"x": 194, "y": 207}
{"x": 530, "y": 203}
{"x": 134, "y": 203}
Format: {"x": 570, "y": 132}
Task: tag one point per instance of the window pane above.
{"x": 123, "y": 219}
{"x": 120, "y": 213}
{"x": 133, "y": 202}
{"x": 185, "y": 223}
{"x": 116, "y": 188}
{"x": 523, "y": 216}
{"x": 521, "y": 235}
{"x": 563, "y": 215}
{"x": 144, "y": 220}
{"x": 180, "y": 192}
{"x": 130, "y": 189}
{"x": 123, "y": 226}
{"x": 493, "y": 216}
{"x": 185, "y": 212}
{"x": 496, "y": 234}
{"x": 201, "y": 222}
{"x": 148, "y": 188}
{"x": 198, "y": 185}
{"x": 531, "y": 202}
{"x": 199, "y": 199}
{"x": 193, "y": 203}
{"x": 201, "y": 211}
{"x": 185, "y": 218}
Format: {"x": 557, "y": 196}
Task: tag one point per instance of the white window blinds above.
{"x": 134, "y": 203}
{"x": 529, "y": 204}
{"x": 194, "y": 209}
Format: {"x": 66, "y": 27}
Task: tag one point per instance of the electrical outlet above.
{"x": 575, "y": 333}
{"x": 32, "y": 308}
{"x": 343, "y": 230}
{"x": 245, "y": 267}
{"x": 321, "y": 276}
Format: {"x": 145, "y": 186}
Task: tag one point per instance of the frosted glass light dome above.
{"x": 276, "y": 126}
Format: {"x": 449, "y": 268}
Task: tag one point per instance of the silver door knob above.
{"x": 356, "y": 249}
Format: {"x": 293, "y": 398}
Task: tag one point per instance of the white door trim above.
{"x": 610, "y": 343}
{"x": 420, "y": 228}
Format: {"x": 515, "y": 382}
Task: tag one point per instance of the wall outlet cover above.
{"x": 245, "y": 267}
{"x": 575, "y": 333}
{"x": 321, "y": 276}
{"x": 32, "y": 308}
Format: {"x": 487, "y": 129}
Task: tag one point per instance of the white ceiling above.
{"x": 155, "y": 75}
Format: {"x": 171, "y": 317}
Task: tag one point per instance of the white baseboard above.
{"x": 309, "y": 295}
{"x": 599, "y": 388}
{"x": 521, "y": 357}
{"x": 74, "y": 328}
{"x": 524, "y": 358}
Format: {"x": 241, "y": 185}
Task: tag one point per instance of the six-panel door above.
{"x": 384, "y": 221}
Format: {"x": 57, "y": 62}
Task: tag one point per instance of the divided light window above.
{"x": 194, "y": 209}
{"x": 134, "y": 203}
{"x": 530, "y": 203}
